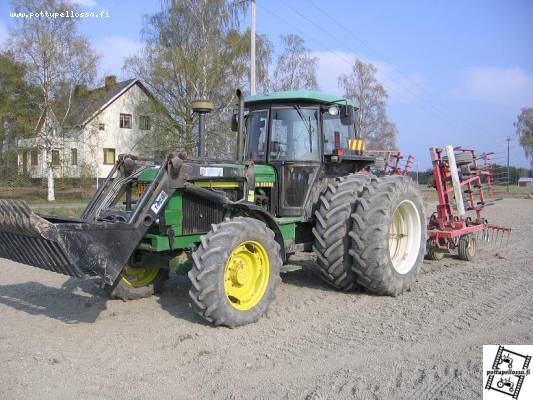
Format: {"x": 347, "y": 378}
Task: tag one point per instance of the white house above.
{"x": 103, "y": 123}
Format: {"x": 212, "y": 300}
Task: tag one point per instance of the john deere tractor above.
{"x": 299, "y": 183}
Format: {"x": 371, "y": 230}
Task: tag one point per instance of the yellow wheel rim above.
{"x": 139, "y": 277}
{"x": 246, "y": 275}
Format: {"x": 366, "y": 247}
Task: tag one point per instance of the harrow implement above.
{"x": 457, "y": 172}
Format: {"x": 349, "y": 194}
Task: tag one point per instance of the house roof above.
{"x": 88, "y": 105}
{"x": 306, "y": 95}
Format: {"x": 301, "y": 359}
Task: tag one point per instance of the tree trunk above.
{"x": 51, "y": 191}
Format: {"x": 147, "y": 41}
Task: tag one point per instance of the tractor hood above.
{"x": 213, "y": 173}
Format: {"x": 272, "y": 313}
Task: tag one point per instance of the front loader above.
{"x": 300, "y": 183}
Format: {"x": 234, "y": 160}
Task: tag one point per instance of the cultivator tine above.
{"x": 495, "y": 235}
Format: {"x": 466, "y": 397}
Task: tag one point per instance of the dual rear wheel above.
{"x": 378, "y": 232}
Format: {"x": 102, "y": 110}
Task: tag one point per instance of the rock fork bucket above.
{"x": 68, "y": 246}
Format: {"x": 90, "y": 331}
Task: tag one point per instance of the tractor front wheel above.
{"x": 388, "y": 236}
{"x": 235, "y": 272}
{"x": 138, "y": 282}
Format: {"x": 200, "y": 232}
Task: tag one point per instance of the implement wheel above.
{"x": 235, "y": 272}
{"x": 467, "y": 247}
{"x": 388, "y": 235}
{"x": 333, "y": 223}
{"x": 138, "y": 282}
{"x": 434, "y": 252}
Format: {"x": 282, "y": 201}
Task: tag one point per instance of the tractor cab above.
{"x": 303, "y": 135}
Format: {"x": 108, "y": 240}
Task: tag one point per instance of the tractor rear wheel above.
{"x": 138, "y": 282}
{"x": 388, "y": 236}
{"x": 235, "y": 272}
{"x": 467, "y": 247}
{"x": 333, "y": 223}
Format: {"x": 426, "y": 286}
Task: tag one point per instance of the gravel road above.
{"x": 61, "y": 339}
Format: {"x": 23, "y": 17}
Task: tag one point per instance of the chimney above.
{"x": 80, "y": 90}
{"x": 110, "y": 81}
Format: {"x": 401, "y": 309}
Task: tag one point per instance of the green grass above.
{"x": 61, "y": 212}
{"x": 38, "y": 195}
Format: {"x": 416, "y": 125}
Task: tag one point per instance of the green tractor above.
{"x": 299, "y": 183}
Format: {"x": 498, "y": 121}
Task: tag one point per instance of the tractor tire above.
{"x": 236, "y": 271}
{"x": 388, "y": 236}
{"x": 467, "y": 247}
{"x": 333, "y": 223}
{"x": 126, "y": 288}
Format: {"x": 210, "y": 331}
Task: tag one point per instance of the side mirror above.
{"x": 235, "y": 122}
{"x": 347, "y": 114}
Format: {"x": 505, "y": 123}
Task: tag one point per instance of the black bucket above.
{"x": 65, "y": 245}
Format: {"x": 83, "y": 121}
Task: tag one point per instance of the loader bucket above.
{"x": 65, "y": 245}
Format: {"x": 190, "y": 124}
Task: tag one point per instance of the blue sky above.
{"x": 457, "y": 72}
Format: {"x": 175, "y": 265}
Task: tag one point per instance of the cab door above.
{"x": 295, "y": 152}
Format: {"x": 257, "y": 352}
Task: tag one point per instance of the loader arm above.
{"x": 98, "y": 243}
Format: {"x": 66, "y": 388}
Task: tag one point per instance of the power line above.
{"x": 336, "y": 55}
{"x": 377, "y": 54}
{"x": 406, "y": 88}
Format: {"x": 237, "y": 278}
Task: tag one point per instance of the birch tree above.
{"x": 296, "y": 68}
{"x": 524, "y": 130}
{"x": 363, "y": 88}
{"x": 18, "y": 111}
{"x": 58, "y": 58}
{"x": 193, "y": 49}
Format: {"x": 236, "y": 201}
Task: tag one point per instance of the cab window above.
{"x": 331, "y": 126}
{"x": 256, "y": 135}
{"x": 294, "y": 134}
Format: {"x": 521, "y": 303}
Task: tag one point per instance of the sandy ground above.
{"x": 61, "y": 339}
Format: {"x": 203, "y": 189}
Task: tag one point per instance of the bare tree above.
{"x": 524, "y": 130}
{"x": 58, "y": 59}
{"x": 296, "y": 67}
{"x": 370, "y": 96}
{"x": 194, "y": 50}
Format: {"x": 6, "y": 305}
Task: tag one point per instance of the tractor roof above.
{"x": 297, "y": 95}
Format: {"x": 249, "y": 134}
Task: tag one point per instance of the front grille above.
{"x": 199, "y": 214}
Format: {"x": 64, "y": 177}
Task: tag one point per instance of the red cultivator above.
{"x": 459, "y": 176}
{"x": 388, "y": 162}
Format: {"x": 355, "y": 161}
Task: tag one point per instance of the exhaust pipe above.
{"x": 240, "y": 130}
{"x": 201, "y": 107}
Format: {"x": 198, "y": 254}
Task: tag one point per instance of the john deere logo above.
{"x": 508, "y": 376}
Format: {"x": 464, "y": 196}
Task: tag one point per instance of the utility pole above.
{"x": 252, "y": 48}
{"x": 508, "y": 176}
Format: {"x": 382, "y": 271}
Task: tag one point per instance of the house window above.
{"x": 55, "y": 157}
{"x": 109, "y": 156}
{"x": 101, "y": 127}
{"x": 74, "y": 156}
{"x": 144, "y": 123}
{"x": 34, "y": 158}
{"x": 125, "y": 121}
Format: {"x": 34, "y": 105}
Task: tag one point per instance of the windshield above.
{"x": 256, "y": 135}
{"x": 294, "y": 134}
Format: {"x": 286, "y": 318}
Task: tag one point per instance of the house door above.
{"x": 25, "y": 162}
